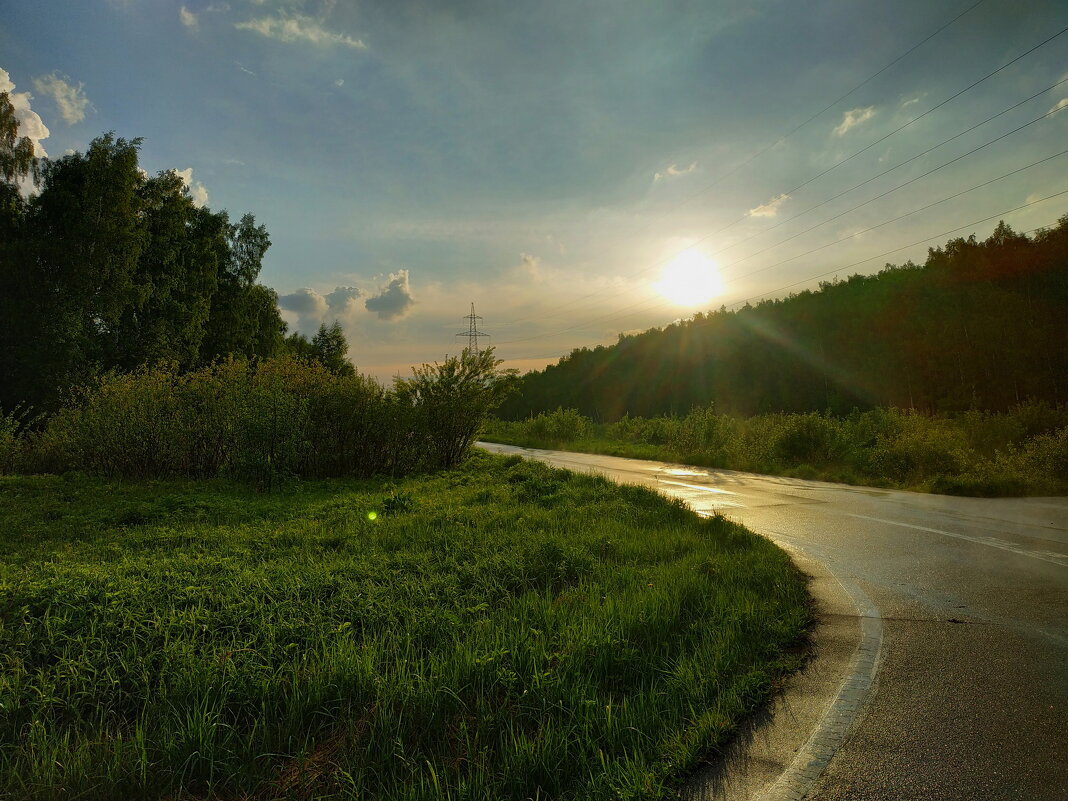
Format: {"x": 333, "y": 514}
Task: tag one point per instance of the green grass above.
{"x": 500, "y": 631}
{"x": 1020, "y": 452}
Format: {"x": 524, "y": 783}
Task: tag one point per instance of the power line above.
{"x": 645, "y": 306}
{"x": 1049, "y": 113}
{"x": 845, "y": 160}
{"x": 559, "y": 355}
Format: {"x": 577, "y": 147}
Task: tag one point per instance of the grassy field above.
{"x": 499, "y": 631}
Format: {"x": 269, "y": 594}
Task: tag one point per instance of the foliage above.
{"x": 107, "y": 268}
{"x": 981, "y": 325}
{"x": 447, "y": 403}
{"x": 181, "y": 640}
{"x": 262, "y": 422}
{"x": 1022, "y": 451}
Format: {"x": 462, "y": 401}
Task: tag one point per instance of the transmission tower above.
{"x": 472, "y": 333}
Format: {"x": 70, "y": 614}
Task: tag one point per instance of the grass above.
{"x": 1020, "y": 452}
{"x": 499, "y": 631}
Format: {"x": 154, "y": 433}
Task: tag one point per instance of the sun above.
{"x": 690, "y": 279}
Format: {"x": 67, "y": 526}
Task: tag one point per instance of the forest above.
{"x": 980, "y": 325}
{"x": 105, "y": 268}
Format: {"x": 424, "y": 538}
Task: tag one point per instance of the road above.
{"x": 953, "y": 681}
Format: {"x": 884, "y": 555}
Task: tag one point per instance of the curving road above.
{"x": 942, "y": 650}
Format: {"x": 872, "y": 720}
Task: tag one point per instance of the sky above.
{"x": 549, "y": 161}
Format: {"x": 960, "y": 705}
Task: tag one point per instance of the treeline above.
{"x": 982, "y": 324}
{"x": 108, "y": 268}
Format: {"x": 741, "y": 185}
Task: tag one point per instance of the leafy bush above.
{"x": 264, "y": 422}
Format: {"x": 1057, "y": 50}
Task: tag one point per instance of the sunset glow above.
{"x": 690, "y": 279}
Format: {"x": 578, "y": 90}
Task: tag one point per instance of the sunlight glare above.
{"x": 690, "y": 279}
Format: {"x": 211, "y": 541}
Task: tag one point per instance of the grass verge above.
{"x": 499, "y": 631}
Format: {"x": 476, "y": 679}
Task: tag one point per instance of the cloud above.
{"x": 197, "y": 190}
{"x": 188, "y": 18}
{"x": 771, "y": 208}
{"x": 910, "y": 102}
{"x": 339, "y": 82}
{"x": 30, "y": 123}
{"x": 298, "y": 28}
{"x": 71, "y": 99}
{"x": 673, "y": 171}
{"x": 394, "y": 299}
{"x": 1060, "y": 104}
{"x": 853, "y": 118}
{"x": 343, "y": 299}
{"x": 305, "y": 302}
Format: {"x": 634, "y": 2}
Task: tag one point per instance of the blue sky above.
{"x": 546, "y": 160}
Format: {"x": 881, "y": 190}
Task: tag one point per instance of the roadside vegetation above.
{"x": 500, "y": 630}
{"x": 1021, "y": 452}
{"x": 233, "y": 567}
{"x": 264, "y": 422}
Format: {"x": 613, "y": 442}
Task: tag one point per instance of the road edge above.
{"x": 776, "y": 761}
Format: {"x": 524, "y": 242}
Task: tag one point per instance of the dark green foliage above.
{"x": 980, "y": 325}
{"x": 196, "y": 640}
{"x": 107, "y": 268}
{"x": 1020, "y": 452}
{"x": 329, "y": 348}
{"x": 262, "y": 422}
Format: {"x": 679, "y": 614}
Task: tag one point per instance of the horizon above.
{"x": 549, "y": 164}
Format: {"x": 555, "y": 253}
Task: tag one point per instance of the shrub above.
{"x": 563, "y": 425}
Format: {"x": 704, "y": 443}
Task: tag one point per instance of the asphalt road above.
{"x": 968, "y": 697}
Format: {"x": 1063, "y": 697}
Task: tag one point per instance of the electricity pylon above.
{"x": 472, "y": 333}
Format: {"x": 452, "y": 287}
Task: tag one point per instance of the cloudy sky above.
{"x": 548, "y": 161}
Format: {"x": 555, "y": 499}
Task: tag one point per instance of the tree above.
{"x": 449, "y": 401}
{"x": 329, "y": 347}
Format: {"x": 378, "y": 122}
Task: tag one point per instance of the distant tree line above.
{"x": 108, "y": 268}
{"x": 981, "y": 325}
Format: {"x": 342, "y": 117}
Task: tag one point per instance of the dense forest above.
{"x": 108, "y": 268}
{"x": 980, "y": 325}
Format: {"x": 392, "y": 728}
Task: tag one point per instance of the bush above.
{"x": 563, "y": 425}
{"x": 263, "y": 423}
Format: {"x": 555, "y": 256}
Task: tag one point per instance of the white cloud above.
{"x": 71, "y": 99}
{"x": 197, "y": 190}
{"x": 298, "y": 28}
{"x": 771, "y": 208}
{"x": 394, "y": 299}
{"x": 853, "y": 118}
{"x": 672, "y": 171}
{"x": 188, "y": 18}
{"x": 910, "y": 102}
{"x": 339, "y": 82}
{"x": 30, "y": 123}
{"x": 1060, "y": 104}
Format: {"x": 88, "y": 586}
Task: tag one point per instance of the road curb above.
{"x": 781, "y": 754}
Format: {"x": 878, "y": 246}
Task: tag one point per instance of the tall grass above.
{"x": 261, "y": 422}
{"x": 497, "y": 631}
{"x": 1024, "y": 451}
